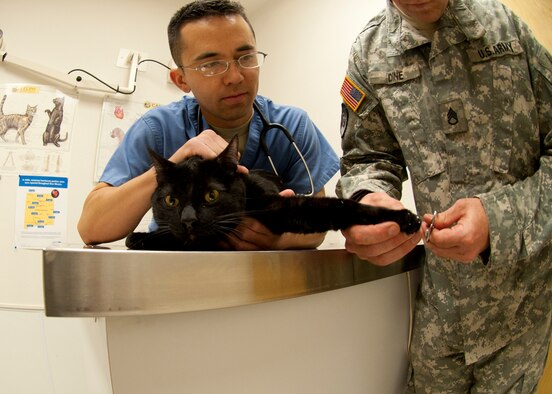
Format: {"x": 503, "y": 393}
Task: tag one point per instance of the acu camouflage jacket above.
{"x": 470, "y": 115}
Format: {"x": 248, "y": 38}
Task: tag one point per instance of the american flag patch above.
{"x": 351, "y": 94}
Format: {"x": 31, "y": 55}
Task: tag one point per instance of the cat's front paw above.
{"x": 410, "y": 223}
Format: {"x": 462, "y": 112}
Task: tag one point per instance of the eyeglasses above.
{"x": 217, "y": 67}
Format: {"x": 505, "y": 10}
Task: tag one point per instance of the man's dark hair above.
{"x": 196, "y": 10}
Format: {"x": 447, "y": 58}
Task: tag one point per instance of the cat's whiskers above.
{"x": 227, "y": 224}
{"x": 229, "y": 219}
{"x": 225, "y": 231}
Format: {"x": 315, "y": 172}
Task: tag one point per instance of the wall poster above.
{"x": 36, "y": 125}
{"x": 41, "y": 211}
{"x": 117, "y": 117}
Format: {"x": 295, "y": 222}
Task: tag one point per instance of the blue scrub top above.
{"x": 166, "y": 128}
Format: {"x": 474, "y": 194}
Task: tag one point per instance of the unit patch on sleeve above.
{"x": 351, "y": 94}
{"x": 344, "y": 119}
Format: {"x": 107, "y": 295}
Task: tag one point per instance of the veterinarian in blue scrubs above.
{"x": 214, "y": 46}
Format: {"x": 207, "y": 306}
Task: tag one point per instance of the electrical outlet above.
{"x": 125, "y": 57}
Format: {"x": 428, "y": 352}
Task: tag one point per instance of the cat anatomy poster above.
{"x": 117, "y": 117}
{"x": 36, "y": 125}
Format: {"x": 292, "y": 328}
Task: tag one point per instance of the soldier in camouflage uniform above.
{"x": 460, "y": 92}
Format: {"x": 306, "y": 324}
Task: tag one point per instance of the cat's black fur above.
{"x": 199, "y": 202}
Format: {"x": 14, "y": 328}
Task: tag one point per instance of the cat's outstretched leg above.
{"x": 319, "y": 214}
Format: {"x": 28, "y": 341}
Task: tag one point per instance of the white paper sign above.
{"x": 41, "y": 211}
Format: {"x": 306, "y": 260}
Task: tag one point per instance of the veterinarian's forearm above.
{"x": 111, "y": 213}
{"x": 300, "y": 241}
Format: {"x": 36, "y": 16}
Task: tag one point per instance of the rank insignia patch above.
{"x": 351, "y": 94}
{"x": 452, "y": 117}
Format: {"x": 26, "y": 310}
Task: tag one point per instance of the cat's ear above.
{"x": 159, "y": 162}
{"x": 229, "y": 157}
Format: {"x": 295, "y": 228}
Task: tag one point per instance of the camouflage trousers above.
{"x": 437, "y": 365}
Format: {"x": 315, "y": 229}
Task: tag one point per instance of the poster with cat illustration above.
{"x": 36, "y": 124}
{"x": 117, "y": 117}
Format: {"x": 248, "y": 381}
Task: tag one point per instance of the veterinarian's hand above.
{"x": 250, "y": 234}
{"x": 383, "y": 243}
{"x": 287, "y": 193}
{"x": 461, "y": 232}
{"x": 253, "y": 235}
{"x": 207, "y": 144}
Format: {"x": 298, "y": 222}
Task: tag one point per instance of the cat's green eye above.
{"x": 212, "y": 196}
{"x": 171, "y": 201}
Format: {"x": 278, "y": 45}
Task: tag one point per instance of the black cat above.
{"x": 198, "y": 202}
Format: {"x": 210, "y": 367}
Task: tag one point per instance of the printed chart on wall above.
{"x": 36, "y": 124}
{"x": 117, "y": 117}
{"x": 41, "y": 211}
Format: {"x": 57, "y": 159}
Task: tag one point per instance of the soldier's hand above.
{"x": 383, "y": 243}
{"x": 461, "y": 232}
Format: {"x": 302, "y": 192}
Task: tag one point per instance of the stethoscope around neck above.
{"x": 266, "y": 127}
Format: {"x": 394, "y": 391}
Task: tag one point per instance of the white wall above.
{"x": 308, "y": 44}
{"x": 38, "y": 354}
